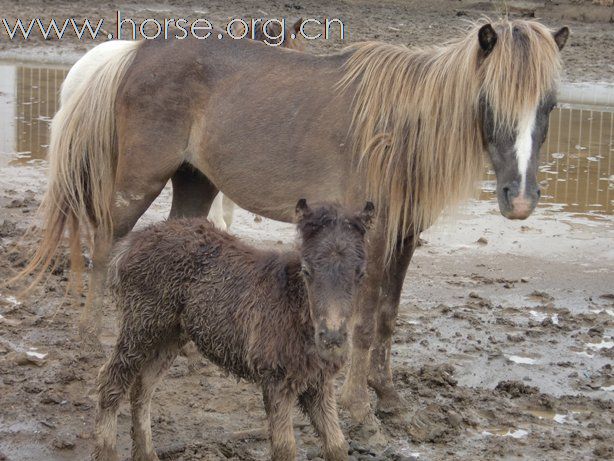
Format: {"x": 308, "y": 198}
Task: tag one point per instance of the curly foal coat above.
{"x": 275, "y": 318}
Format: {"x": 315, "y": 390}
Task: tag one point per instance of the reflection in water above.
{"x": 576, "y": 170}
{"x": 28, "y": 100}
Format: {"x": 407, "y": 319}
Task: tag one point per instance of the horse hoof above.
{"x": 357, "y": 403}
{"x": 368, "y": 433}
{"x": 390, "y": 402}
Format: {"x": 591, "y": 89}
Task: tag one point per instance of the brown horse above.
{"x": 404, "y": 127}
{"x": 279, "y": 319}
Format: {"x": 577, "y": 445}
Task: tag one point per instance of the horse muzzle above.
{"x": 514, "y": 205}
{"x": 332, "y": 344}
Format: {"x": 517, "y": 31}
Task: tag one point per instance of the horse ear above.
{"x": 367, "y": 214}
{"x": 561, "y": 36}
{"x": 297, "y": 26}
{"x": 302, "y": 209}
{"x": 487, "y": 38}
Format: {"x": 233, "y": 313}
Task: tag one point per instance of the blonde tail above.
{"x": 82, "y": 163}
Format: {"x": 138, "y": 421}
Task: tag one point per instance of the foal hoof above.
{"x": 105, "y": 453}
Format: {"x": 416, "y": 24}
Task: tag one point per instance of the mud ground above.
{"x": 504, "y": 341}
{"x": 503, "y": 349}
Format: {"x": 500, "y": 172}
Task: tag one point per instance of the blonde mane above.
{"x": 416, "y": 126}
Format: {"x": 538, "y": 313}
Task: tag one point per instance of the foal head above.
{"x": 333, "y": 263}
{"x": 519, "y": 65}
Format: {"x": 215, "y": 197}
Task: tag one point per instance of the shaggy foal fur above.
{"x": 279, "y": 319}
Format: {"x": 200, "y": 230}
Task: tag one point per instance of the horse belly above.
{"x": 266, "y": 160}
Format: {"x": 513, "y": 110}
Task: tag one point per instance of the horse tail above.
{"x": 82, "y": 163}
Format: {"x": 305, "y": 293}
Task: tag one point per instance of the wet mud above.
{"x": 505, "y": 337}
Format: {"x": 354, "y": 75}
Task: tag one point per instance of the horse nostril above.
{"x": 539, "y": 193}
{"x": 506, "y": 194}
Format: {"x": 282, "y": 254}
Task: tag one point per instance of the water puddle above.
{"x": 541, "y": 316}
{"x": 522, "y": 360}
{"x": 28, "y": 100}
{"x": 576, "y": 172}
{"x": 604, "y": 344}
{"x": 506, "y": 432}
{"x": 551, "y": 415}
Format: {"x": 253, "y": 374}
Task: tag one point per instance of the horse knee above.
{"x": 387, "y": 319}
{"x": 362, "y": 336}
{"x": 114, "y": 380}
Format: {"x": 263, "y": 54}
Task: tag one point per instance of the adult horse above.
{"x": 404, "y": 127}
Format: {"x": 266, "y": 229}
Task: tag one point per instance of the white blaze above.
{"x": 524, "y": 146}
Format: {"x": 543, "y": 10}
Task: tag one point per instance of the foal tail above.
{"x": 82, "y": 164}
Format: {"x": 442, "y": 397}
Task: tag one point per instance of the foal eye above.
{"x": 305, "y": 270}
{"x": 360, "y": 274}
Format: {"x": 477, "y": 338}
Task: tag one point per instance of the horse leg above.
{"x": 380, "y": 374}
{"x": 114, "y": 380}
{"x": 228, "y": 210}
{"x": 193, "y": 193}
{"x": 319, "y": 404}
{"x": 278, "y": 403}
{"x": 132, "y": 200}
{"x": 135, "y": 189}
{"x": 140, "y": 401}
{"x": 216, "y": 213}
{"x": 355, "y": 394}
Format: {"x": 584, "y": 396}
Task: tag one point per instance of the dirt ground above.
{"x": 505, "y": 336}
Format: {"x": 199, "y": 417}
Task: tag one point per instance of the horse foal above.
{"x": 279, "y": 319}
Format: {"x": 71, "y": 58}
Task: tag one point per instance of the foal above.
{"x": 279, "y": 319}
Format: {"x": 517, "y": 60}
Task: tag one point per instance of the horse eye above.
{"x": 360, "y": 274}
{"x": 305, "y": 270}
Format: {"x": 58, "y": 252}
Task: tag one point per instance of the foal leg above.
{"x": 140, "y": 400}
{"x": 319, "y": 404}
{"x": 278, "y": 403}
{"x": 114, "y": 380}
{"x": 380, "y": 374}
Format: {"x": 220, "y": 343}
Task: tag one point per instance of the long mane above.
{"x": 416, "y": 123}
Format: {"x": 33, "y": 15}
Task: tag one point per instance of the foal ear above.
{"x": 367, "y": 214}
{"x": 487, "y": 38}
{"x": 297, "y": 26}
{"x": 302, "y": 209}
{"x": 561, "y": 36}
